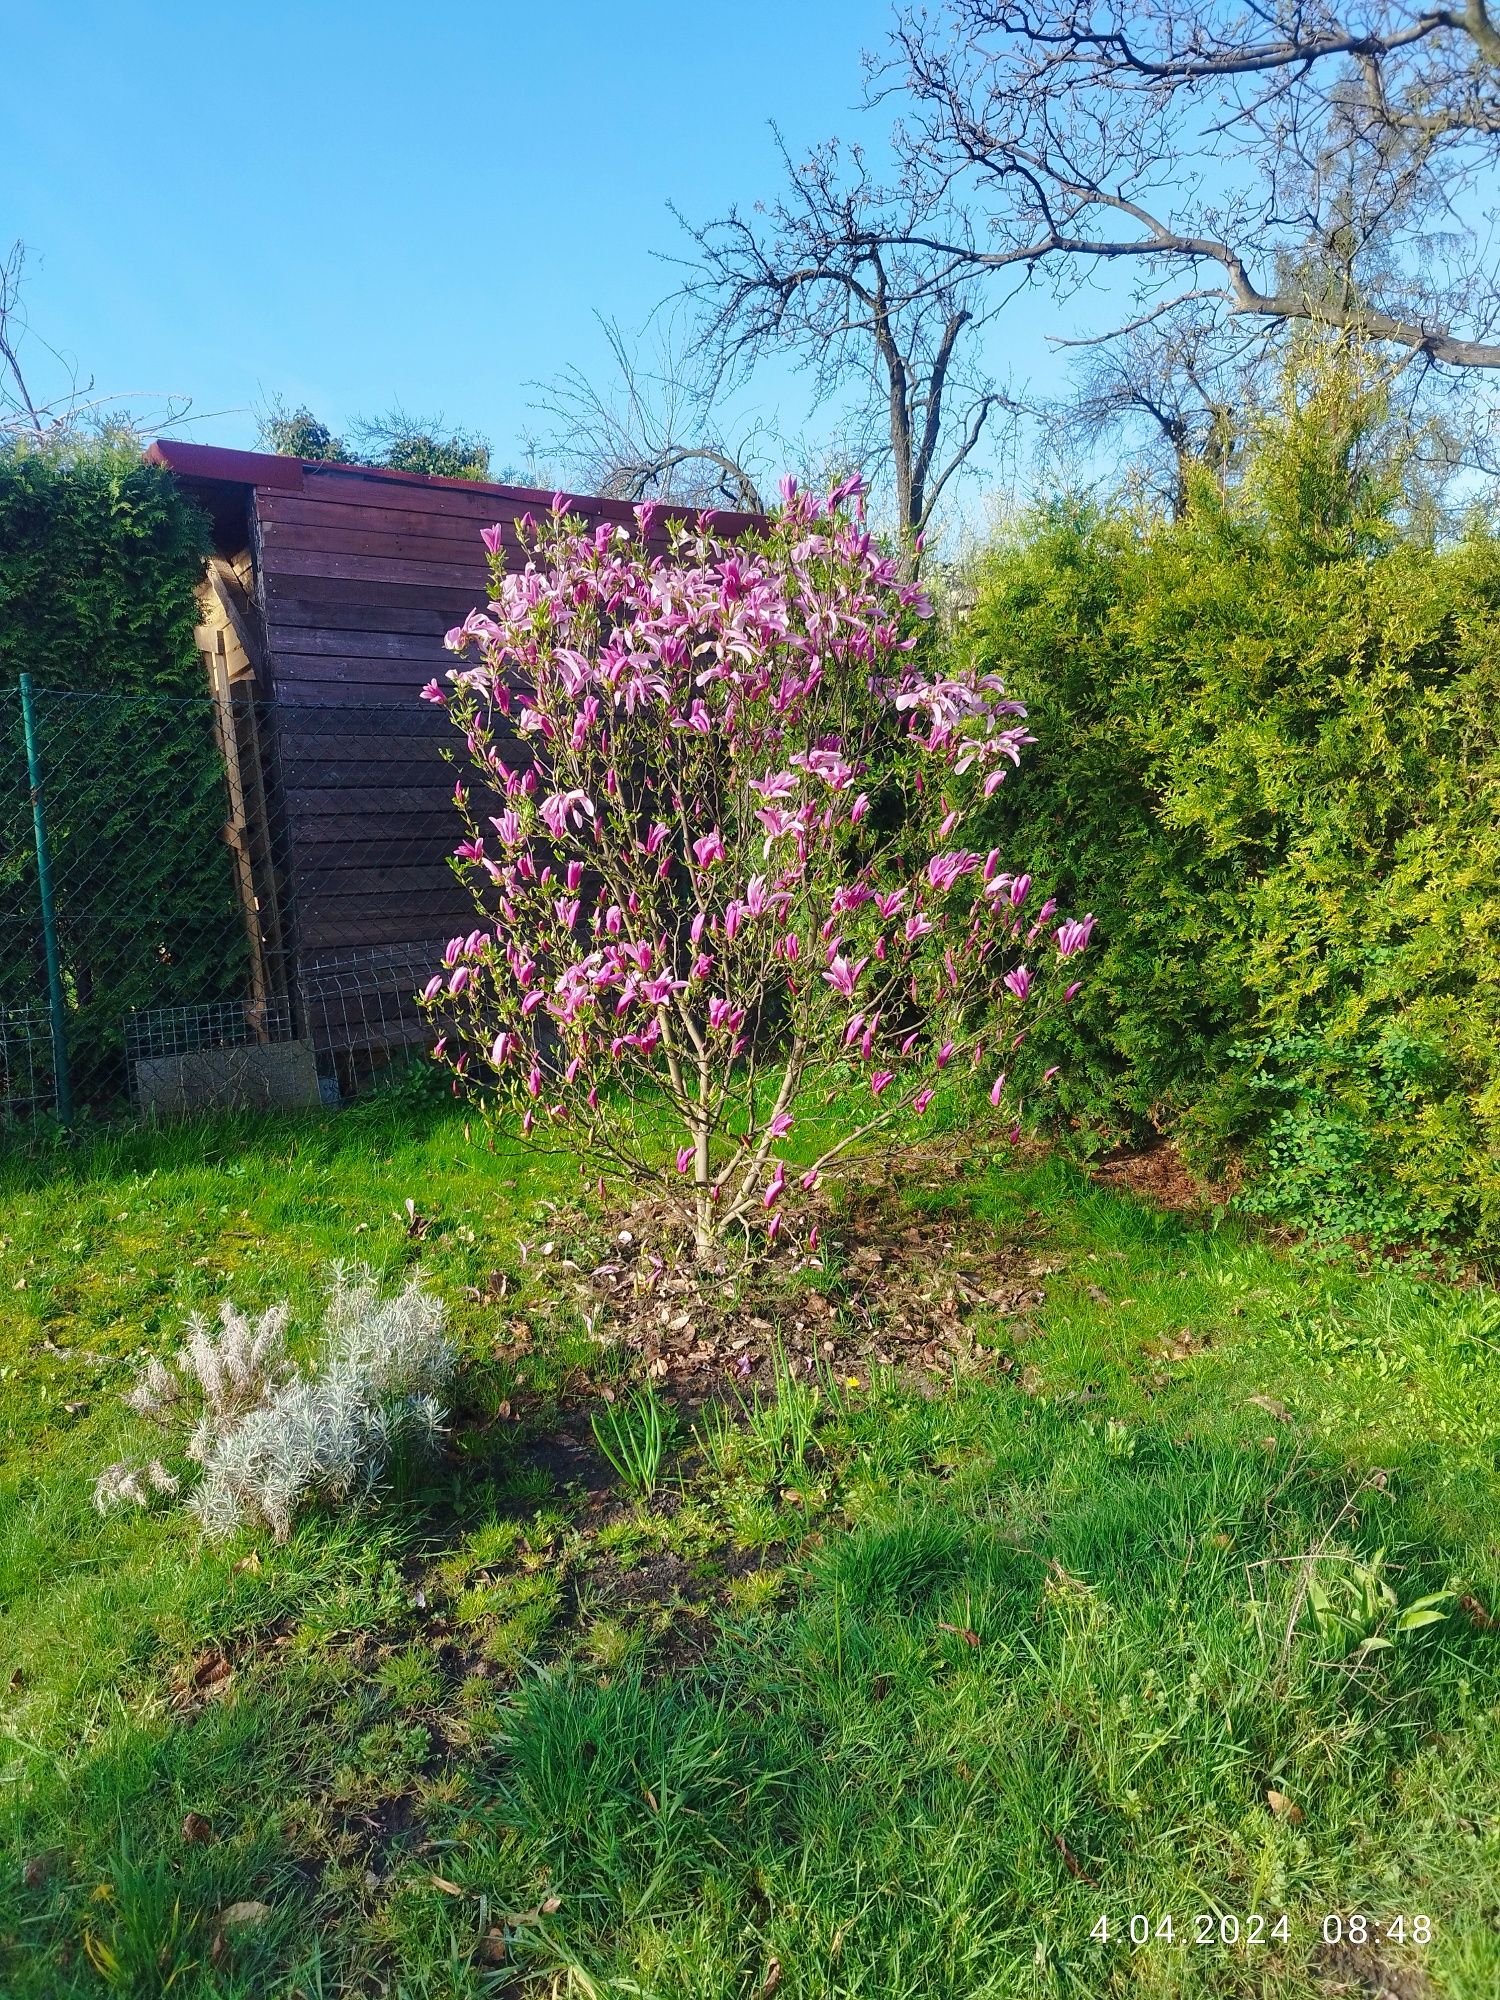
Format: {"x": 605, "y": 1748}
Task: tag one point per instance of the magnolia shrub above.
{"x": 714, "y": 830}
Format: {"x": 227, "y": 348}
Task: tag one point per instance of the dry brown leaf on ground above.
{"x": 548, "y": 1906}
{"x": 1272, "y": 1408}
{"x": 242, "y": 1916}
{"x": 1070, "y": 1860}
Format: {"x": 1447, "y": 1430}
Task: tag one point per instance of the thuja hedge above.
{"x": 1269, "y": 750}
{"x": 100, "y": 558}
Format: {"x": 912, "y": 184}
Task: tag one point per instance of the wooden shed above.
{"x": 327, "y": 598}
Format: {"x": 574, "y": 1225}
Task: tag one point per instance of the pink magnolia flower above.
{"x": 922, "y": 1099}
{"x": 561, "y": 810}
{"x": 780, "y": 1125}
{"x": 997, "y": 1090}
{"x": 709, "y": 851}
{"x": 943, "y": 870}
{"x": 1073, "y": 936}
{"x": 829, "y": 765}
{"x": 880, "y": 1079}
{"x": 844, "y": 977}
{"x": 684, "y": 1158}
{"x": 1019, "y": 982}
{"x": 775, "y": 785}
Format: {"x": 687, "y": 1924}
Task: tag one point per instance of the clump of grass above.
{"x": 634, "y": 1434}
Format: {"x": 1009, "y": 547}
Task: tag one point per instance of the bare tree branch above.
{"x": 1328, "y": 162}
{"x": 653, "y": 433}
{"x": 847, "y": 279}
{"x": 73, "y": 409}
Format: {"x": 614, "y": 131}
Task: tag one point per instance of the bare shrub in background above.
{"x": 273, "y": 1440}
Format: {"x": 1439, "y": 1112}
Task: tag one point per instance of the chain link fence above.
{"x": 212, "y": 901}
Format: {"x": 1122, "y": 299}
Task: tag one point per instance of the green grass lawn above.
{"x": 900, "y": 1686}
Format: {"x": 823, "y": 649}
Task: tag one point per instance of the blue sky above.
{"x": 349, "y": 205}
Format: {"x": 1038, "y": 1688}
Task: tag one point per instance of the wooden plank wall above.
{"x": 359, "y": 575}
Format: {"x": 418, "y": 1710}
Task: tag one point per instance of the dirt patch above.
{"x": 1361, "y": 1973}
{"x": 1157, "y": 1174}
{"x": 870, "y": 1282}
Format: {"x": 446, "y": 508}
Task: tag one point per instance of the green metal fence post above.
{"x": 49, "y": 915}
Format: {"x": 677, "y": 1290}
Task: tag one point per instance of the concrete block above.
{"x": 260, "y": 1076}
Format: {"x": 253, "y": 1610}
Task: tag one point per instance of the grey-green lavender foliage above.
{"x": 272, "y": 1439}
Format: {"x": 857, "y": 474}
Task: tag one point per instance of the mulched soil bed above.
{"x": 906, "y": 1286}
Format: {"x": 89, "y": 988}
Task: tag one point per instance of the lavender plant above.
{"x": 271, "y": 1440}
